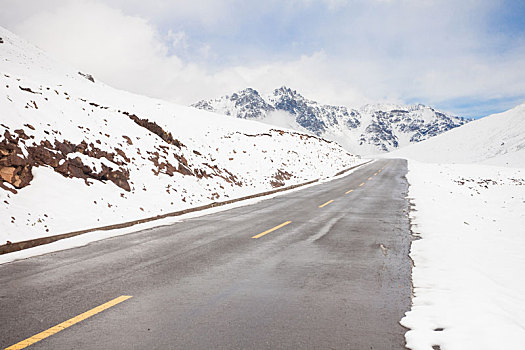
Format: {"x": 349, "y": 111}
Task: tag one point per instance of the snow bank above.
{"x": 469, "y": 290}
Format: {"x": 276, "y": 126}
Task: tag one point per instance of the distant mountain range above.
{"x": 370, "y": 129}
{"x": 498, "y": 139}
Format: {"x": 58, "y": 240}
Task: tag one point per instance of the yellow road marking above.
{"x": 370, "y": 178}
{"x": 61, "y": 326}
{"x": 347, "y": 192}
{"x": 379, "y": 170}
{"x": 375, "y": 174}
{"x": 362, "y": 184}
{"x": 325, "y": 204}
{"x": 272, "y": 229}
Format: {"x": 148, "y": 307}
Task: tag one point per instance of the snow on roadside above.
{"x": 78, "y": 154}
{"x": 469, "y": 290}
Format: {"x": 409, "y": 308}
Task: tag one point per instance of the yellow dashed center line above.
{"x": 347, "y": 192}
{"x": 325, "y": 204}
{"x": 272, "y": 229}
{"x": 362, "y": 184}
{"x": 61, "y": 326}
{"x": 375, "y": 174}
{"x": 370, "y": 178}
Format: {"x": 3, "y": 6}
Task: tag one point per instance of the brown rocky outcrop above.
{"x": 164, "y": 167}
{"x": 29, "y": 90}
{"x": 16, "y": 167}
{"x": 279, "y": 177}
{"x": 156, "y": 129}
{"x": 87, "y": 76}
{"x": 229, "y": 177}
{"x": 8, "y": 174}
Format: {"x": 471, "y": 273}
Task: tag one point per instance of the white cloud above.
{"x": 344, "y": 52}
{"x": 178, "y": 39}
{"x": 126, "y": 52}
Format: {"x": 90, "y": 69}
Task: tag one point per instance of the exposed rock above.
{"x": 257, "y": 135}
{"x": 303, "y": 136}
{"x": 87, "y": 76}
{"x": 384, "y": 127}
{"x": 8, "y": 173}
{"x": 16, "y": 169}
{"x": 279, "y": 177}
{"x": 156, "y": 129}
{"x": 29, "y": 90}
{"x": 248, "y": 105}
{"x": 276, "y": 184}
{"x": 164, "y": 166}
{"x": 218, "y": 172}
{"x": 282, "y": 175}
{"x": 122, "y": 154}
{"x": 21, "y": 133}
{"x": 119, "y": 178}
{"x": 184, "y": 170}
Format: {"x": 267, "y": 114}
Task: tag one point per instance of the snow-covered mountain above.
{"x": 76, "y": 153}
{"x": 498, "y": 139}
{"x": 369, "y": 129}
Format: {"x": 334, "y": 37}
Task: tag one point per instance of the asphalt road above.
{"x": 335, "y": 277}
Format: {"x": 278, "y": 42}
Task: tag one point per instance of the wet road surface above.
{"x": 328, "y": 269}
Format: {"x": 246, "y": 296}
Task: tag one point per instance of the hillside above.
{"x": 498, "y": 139}
{"x": 467, "y": 190}
{"x": 76, "y": 154}
{"x": 370, "y": 129}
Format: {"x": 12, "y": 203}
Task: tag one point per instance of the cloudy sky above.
{"x": 466, "y": 57}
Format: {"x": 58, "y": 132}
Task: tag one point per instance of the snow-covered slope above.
{"x": 498, "y": 139}
{"x": 467, "y": 187}
{"x": 369, "y": 129}
{"x": 76, "y": 154}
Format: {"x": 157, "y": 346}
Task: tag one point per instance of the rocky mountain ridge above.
{"x": 369, "y": 129}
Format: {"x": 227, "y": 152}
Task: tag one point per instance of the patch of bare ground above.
{"x": 16, "y": 165}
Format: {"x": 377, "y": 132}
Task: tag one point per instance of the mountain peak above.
{"x": 284, "y": 90}
{"x": 246, "y": 92}
{"x": 286, "y": 93}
